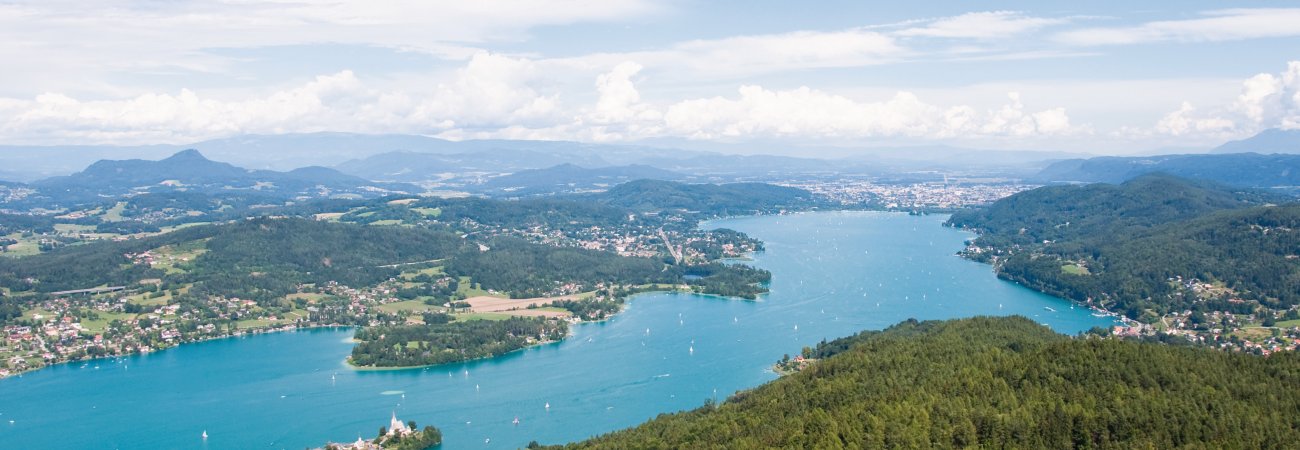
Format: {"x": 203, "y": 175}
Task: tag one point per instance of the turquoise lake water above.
{"x": 833, "y": 274}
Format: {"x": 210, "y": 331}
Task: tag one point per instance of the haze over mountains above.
{"x": 413, "y": 158}
{"x": 1268, "y": 141}
{"x": 296, "y": 162}
{"x": 189, "y": 171}
{"x": 1251, "y": 170}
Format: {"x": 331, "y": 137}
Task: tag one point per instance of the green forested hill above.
{"x": 1121, "y": 245}
{"x": 1070, "y": 212}
{"x": 242, "y": 258}
{"x": 998, "y": 383}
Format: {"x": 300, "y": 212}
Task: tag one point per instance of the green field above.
{"x": 255, "y": 323}
{"x": 465, "y": 289}
{"x": 69, "y": 228}
{"x": 182, "y": 226}
{"x": 408, "y": 305}
{"x": 114, "y": 214}
{"x": 1075, "y": 269}
{"x": 1288, "y": 323}
{"x": 99, "y": 325}
{"x": 309, "y": 297}
{"x": 481, "y": 316}
{"x": 428, "y": 212}
{"x": 432, "y": 271}
{"x": 25, "y": 247}
{"x": 177, "y": 259}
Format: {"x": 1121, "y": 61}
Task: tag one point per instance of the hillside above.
{"x": 1272, "y": 140}
{"x": 190, "y": 171}
{"x": 1121, "y": 247}
{"x": 996, "y": 383}
{"x": 706, "y": 199}
{"x": 1068, "y": 212}
{"x": 1241, "y": 170}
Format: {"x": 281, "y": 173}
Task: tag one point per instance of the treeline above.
{"x": 448, "y": 342}
{"x": 528, "y": 270}
{"x": 998, "y": 383}
{"x": 591, "y": 309}
{"x": 269, "y": 257}
{"x": 728, "y": 280}
{"x": 1134, "y": 238}
{"x": 257, "y": 258}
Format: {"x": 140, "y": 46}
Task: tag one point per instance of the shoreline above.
{"x": 1097, "y": 309}
{"x": 347, "y": 362}
{"x": 249, "y": 331}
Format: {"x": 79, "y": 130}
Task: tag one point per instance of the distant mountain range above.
{"x": 569, "y": 178}
{"x": 705, "y": 199}
{"x": 1266, "y": 142}
{"x": 189, "y": 171}
{"x": 1239, "y": 169}
{"x": 413, "y": 158}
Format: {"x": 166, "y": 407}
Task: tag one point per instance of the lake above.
{"x": 834, "y": 273}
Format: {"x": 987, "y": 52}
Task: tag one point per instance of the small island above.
{"x": 441, "y": 341}
{"x": 396, "y": 436}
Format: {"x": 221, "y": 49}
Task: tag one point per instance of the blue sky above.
{"x": 1102, "y": 77}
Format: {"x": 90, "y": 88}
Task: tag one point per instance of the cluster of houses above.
{"x": 911, "y": 196}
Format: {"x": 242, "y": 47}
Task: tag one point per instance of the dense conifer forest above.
{"x": 440, "y": 341}
{"x": 1130, "y": 246}
{"x": 997, "y": 383}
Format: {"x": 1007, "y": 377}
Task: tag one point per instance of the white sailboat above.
{"x": 205, "y": 434}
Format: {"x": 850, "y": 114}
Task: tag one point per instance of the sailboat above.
{"x": 205, "y": 434}
{"x": 516, "y": 421}
{"x": 548, "y": 406}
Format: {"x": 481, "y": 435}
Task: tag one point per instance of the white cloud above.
{"x": 1265, "y": 101}
{"x": 804, "y": 112}
{"x": 64, "y": 43}
{"x": 1220, "y": 25}
{"x": 338, "y": 102}
{"x": 981, "y": 25}
{"x": 1183, "y": 122}
{"x": 1272, "y": 100}
{"x": 491, "y": 91}
{"x": 500, "y": 96}
{"x": 758, "y": 54}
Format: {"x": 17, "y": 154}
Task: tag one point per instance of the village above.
{"x": 1244, "y": 327}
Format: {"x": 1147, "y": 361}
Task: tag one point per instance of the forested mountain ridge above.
{"x": 1273, "y": 140}
{"x": 257, "y": 258}
{"x": 1144, "y": 248}
{"x": 1251, "y": 170}
{"x": 1070, "y": 211}
{"x": 189, "y": 171}
{"x": 997, "y": 383}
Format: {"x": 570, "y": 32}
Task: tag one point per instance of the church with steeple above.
{"x": 397, "y": 428}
